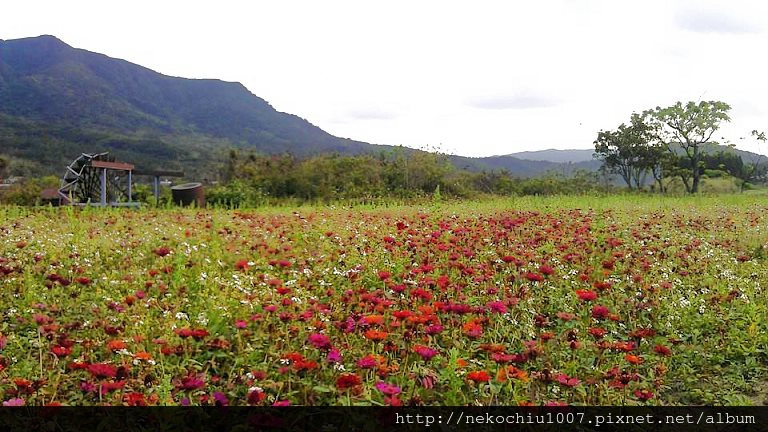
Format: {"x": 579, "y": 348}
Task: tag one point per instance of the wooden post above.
{"x": 104, "y": 186}
{"x": 157, "y": 190}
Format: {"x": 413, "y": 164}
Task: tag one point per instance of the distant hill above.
{"x": 559, "y": 156}
{"x": 521, "y": 167}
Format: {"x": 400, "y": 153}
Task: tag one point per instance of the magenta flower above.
{"x": 387, "y": 389}
{"x": 425, "y": 352}
{"x": 190, "y": 382}
{"x": 334, "y": 356}
{"x": 220, "y": 399}
{"x": 319, "y": 341}
{"x": 367, "y": 362}
{"x": 433, "y": 329}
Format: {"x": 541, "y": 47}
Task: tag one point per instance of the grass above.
{"x": 596, "y": 300}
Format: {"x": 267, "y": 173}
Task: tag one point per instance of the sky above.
{"x": 476, "y": 78}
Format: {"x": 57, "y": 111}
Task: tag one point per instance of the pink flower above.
{"x": 497, "y": 306}
{"x": 367, "y": 362}
{"x": 13, "y": 402}
{"x": 425, "y": 352}
{"x": 567, "y": 381}
{"x": 319, "y": 341}
{"x": 387, "y": 389}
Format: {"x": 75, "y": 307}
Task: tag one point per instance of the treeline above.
{"x": 665, "y": 145}
{"x": 252, "y": 179}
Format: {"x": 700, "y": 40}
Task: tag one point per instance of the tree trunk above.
{"x": 695, "y": 170}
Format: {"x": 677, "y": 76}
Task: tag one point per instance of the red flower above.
{"x": 189, "y": 382}
{"x": 478, "y": 376}
{"x": 116, "y": 345}
{"x": 61, "y": 351}
{"x": 134, "y": 399}
{"x": 586, "y": 295}
{"x": 183, "y": 332}
{"x": 534, "y": 277}
{"x": 600, "y": 312}
{"x": 107, "y": 387}
{"x": 241, "y": 265}
{"x": 375, "y": 335}
{"x": 102, "y": 370}
{"x": 472, "y": 329}
{"x": 256, "y": 396}
{"x": 384, "y": 275}
{"x": 347, "y": 381}
{"x": 663, "y": 350}
{"x": 497, "y": 306}
{"x": 198, "y": 334}
{"x": 598, "y": 332}
{"x": 162, "y": 251}
{"x": 546, "y": 270}
{"x": 643, "y": 394}
{"x": 602, "y": 286}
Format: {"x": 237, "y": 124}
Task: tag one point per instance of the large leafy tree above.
{"x": 628, "y": 151}
{"x": 687, "y": 128}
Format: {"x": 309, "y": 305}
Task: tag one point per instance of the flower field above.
{"x": 655, "y": 301}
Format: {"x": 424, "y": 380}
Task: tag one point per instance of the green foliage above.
{"x": 256, "y": 179}
{"x": 27, "y": 192}
{"x": 629, "y": 151}
{"x": 688, "y": 127}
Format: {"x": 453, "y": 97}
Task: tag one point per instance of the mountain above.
{"x": 57, "y": 101}
{"x": 520, "y": 167}
{"x": 553, "y": 155}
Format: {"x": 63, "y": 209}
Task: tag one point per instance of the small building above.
{"x": 50, "y": 196}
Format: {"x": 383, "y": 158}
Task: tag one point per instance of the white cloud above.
{"x": 714, "y": 21}
{"x": 520, "y": 101}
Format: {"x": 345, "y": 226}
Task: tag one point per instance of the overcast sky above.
{"x": 472, "y": 78}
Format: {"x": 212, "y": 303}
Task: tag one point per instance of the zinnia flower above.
{"x": 600, "y": 312}
{"x": 387, "y": 389}
{"x": 425, "y": 352}
{"x": 586, "y": 295}
{"x": 478, "y": 376}
{"x": 347, "y": 381}
{"x": 319, "y": 341}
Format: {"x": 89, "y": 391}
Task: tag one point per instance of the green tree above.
{"x": 628, "y": 151}
{"x": 688, "y": 127}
